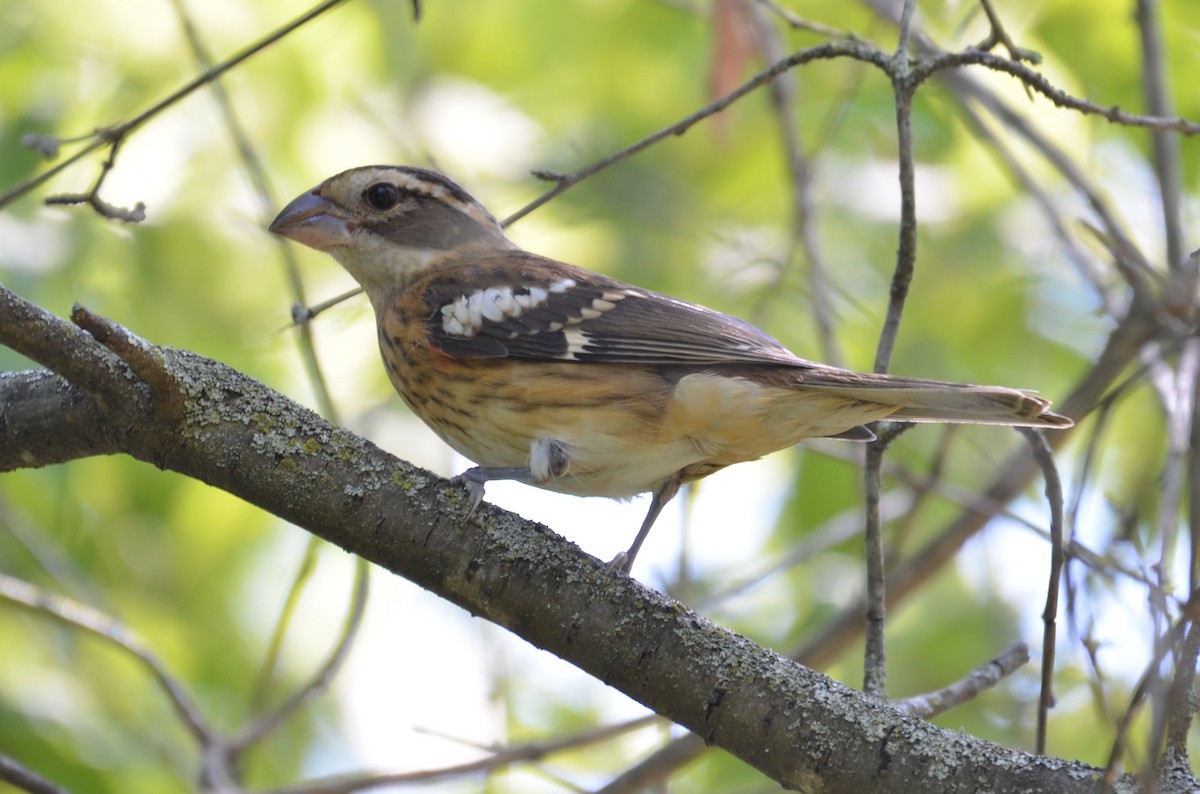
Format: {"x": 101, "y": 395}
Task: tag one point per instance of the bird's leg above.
{"x": 623, "y": 562}
{"x": 547, "y": 461}
{"x": 475, "y": 478}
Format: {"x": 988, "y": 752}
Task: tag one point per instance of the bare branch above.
{"x": 92, "y": 196}
{"x": 1133, "y": 264}
{"x": 978, "y": 680}
{"x": 302, "y": 314}
{"x": 113, "y": 135}
{"x": 782, "y": 91}
{"x": 999, "y": 36}
{"x": 925, "y": 69}
{"x": 1181, "y": 704}
{"x": 799, "y": 23}
{"x": 874, "y": 655}
{"x": 496, "y": 760}
{"x": 252, "y": 165}
{"x": 233, "y": 433}
{"x": 25, "y": 779}
{"x": 75, "y": 614}
{"x": 1148, "y": 681}
{"x": 1054, "y": 496}
{"x": 324, "y": 675}
{"x": 832, "y": 50}
{"x": 1167, "y": 164}
{"x": 908, "y": 10}
{"x": 1112, "y": 302}
{"x": 304, "y": 571}
{"x": 906, "y": 252}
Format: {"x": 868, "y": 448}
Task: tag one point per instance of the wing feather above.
{"x": 555, "y": 312}
{"x": 549, "y": 311}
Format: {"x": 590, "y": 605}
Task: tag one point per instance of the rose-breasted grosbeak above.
{"x": 566, "y": 379}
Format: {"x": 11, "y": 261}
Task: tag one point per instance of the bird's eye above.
{"x": 382, "y": 195}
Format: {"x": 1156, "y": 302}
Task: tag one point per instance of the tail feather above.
{"x": 920, "y": 400}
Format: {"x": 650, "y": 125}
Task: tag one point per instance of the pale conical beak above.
{"x": 313, "y": 221}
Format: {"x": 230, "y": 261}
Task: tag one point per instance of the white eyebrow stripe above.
{"x": 424, "y": 185}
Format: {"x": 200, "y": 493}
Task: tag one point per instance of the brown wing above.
{"x": 551, "y": 311}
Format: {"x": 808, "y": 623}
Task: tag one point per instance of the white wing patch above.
{"x": 576, "y": 339}
{"x": 467, "y": 315}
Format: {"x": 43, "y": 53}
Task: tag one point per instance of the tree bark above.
{"x": 188, "y": 414}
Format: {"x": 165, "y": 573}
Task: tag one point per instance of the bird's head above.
{"x": 386, "y": 223}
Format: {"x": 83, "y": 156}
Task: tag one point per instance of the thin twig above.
{"x": 1158, "y": 691}
{"x": 302, "y": 314}
{"x": 1166, "y": 645}
{"x": 497, "y": 760}
{"x": 1085, "y": 265}
{"x": 114, "y": 134}
{"x": 1148, "y": 680}
{"x": 1181, "y": 705}
{"x": 325, "y": 674}
{"x": 799, "y": 23}
{"x": 104, "y": 627}
{"x": 906, "y": 254}
{"x": 1193, "y": 479}
{"x": 267, "y": 204}
{"x": 907, "y": 13}
{"x": 252, "y": 164}
{"x": 875, "y": 656}
{"x": 26, "y": 779}
{"x": 1054, "y": 496}
{"x": 999, "y": 36}
{"x": 924, "y": 69}
{"x": 1133, "y": 265}
{"x": 967, "y": 688}
{"x": 841, "y": 528}
{"x": 829, "y": 51}
{"x": 91, "y": 196}
{"x": 1168, "y": 169}
{"x": 803, "y": 211}
{"x": 266, "y": 672}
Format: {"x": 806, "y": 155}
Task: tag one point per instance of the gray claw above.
{"x": 620, "y": 564}
{"x": 474, "y": 484}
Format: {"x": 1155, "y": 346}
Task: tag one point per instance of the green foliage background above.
{"x": 201, "y": 576}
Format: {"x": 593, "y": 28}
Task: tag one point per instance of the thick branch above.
{"x": 797, "y": 726}
{"x": 46, "y": 420}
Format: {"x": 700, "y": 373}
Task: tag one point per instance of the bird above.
{"x": 568, "y": 380}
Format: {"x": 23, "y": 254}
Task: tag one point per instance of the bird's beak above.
{"x": 313, "y": 221}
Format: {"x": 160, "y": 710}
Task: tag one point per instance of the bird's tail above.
{"x": 920, "y": 400}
